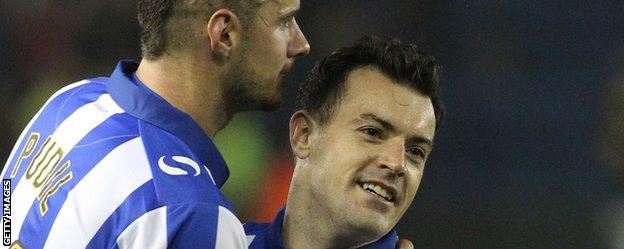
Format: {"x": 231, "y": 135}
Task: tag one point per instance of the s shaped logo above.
{"x": 175, "y": 170}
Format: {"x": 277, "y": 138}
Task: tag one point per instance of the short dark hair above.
{"x": 406, "y": 63}
{"x": 170, "y": 23}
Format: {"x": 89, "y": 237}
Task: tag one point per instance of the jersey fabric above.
{"x": 107, "y": 163}
{"x": 269, "y": 235}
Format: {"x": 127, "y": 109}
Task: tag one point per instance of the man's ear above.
{"x": 301, "y": 127}
{"x": 223, "y": 28}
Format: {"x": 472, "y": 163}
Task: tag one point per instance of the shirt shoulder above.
{"x": 179, "y": 173}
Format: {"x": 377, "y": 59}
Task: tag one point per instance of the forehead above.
{"x": 368, "y": 90}
{"x": 280, "y": 7}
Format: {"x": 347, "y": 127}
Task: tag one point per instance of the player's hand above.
{"x": 404, "y": 244}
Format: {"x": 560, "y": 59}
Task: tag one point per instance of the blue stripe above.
{"x": 84, "y": 94}
{"x": 141, "y": 201}
{"x": 192, "y": 225}
{"x": 56, "y": 111}
{"x": 83, "y": 158}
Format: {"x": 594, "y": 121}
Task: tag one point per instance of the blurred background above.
{"x": 530, "y": 155}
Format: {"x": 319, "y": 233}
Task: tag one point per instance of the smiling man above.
{"x": 128, "y": 161}
{"x": 365, "y": 129}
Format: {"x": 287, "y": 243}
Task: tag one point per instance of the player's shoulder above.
{"x": 76, "y": 90}
{"x": 79, "y": 104}
{"x": 179, "y": 175}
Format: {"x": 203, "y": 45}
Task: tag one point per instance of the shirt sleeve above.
{"x": 197, "y": 225}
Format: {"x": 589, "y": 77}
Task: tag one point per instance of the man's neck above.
{"x": 190, "y": 87}
{"x": 305, "y": 228}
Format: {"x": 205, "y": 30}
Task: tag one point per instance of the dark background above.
{"x": 518, "y": 160}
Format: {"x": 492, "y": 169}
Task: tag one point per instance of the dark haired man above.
{"x": 127, "y": 161}
{"x": 363, "y": 132}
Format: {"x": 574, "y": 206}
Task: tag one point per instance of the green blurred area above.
{"x": 245, "y": 146}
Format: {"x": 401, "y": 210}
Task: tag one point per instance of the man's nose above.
{"x": 299, "y": 45}
{"x": 393, "y": 157}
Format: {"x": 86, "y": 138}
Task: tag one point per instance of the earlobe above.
{"x": 301, "y": 127}
{"x": 222, "y": 31}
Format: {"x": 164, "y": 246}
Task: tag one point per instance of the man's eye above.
{"x": 417, "y": 152}
{"x": 372, "y": 132}
{"x": 287, "y": 23}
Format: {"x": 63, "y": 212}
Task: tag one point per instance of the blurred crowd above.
{"x": 531, "y": 154}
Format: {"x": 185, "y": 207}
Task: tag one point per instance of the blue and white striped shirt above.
{"x": 107, "y": 163}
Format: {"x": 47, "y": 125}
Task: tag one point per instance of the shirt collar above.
{"x": 139, "y": 101}
{"x": 274, "y": 235}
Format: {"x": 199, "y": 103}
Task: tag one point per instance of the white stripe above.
{"x": 210, "y": 175}
{"x": 250, "y": 239}
{"x": 100, "y": 192}
{"x": 21, "y": 137}
{"x": 67, "y": 135}
{"x": 230, "y": 232}
{"x": 83, "y": 120}
{"x": 148, "y": 231}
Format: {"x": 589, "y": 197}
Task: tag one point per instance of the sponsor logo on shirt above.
{"x": 172, "y": 170}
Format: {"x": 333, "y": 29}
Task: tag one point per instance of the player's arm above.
{"x": 196, "y": 225}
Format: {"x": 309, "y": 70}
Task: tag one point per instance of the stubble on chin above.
{"x": 247, "y": 90}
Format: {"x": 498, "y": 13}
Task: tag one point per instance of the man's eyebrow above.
{"x": 289, "y": 13}
{"x": 372, "y": 117}
{"x": 420, "y": 140}
{"x": 389, "y": 126}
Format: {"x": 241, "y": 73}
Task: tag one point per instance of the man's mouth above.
{"x": 287, "y": 68}
{"x": 381, "y": 191}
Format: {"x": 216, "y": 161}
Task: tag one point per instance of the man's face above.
{"x": 367, "y": 161}
{"x": 269, "y": 46}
